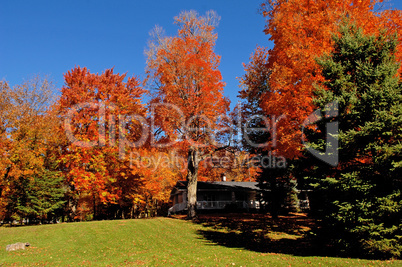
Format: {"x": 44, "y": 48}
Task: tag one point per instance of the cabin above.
{"x": 218, "y": 196}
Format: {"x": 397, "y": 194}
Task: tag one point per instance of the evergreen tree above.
{"x": 37, "y": 197}
{"x": 360, "y": 199}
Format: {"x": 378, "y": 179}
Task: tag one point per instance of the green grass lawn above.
{"x": 152, "y": 242}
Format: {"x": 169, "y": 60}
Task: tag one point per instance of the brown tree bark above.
{"x": 192, "y": 176}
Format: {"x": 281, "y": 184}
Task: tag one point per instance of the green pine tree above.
{"x": 37, "y": 197}
{"x": 360, "y": 200}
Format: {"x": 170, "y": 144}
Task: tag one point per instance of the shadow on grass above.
{"x": 261, "y": 233}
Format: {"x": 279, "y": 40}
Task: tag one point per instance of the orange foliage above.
{"x": 189, "y": 100}
{"x": 27, "y": 125}
{"x": 97, "y": 166}
{"x": 189, "y": 83}
{"x": 302, "y": 31}
{"x": 159, "y": 172}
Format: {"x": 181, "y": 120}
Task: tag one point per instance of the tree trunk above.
{"x": 275, "y": 196}
{"x": 94, "y": 203}
{"x": 192, "y": 175}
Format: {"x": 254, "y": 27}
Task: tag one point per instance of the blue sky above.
{"x": 51, "y": 37}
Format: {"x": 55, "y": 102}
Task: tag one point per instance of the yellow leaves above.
{"x": 138, "y": 199}
{"x": 30, "y": 124}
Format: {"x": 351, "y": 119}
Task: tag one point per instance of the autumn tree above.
{"x": 5, "y": 164}
{"x": 302, "y": 31}
{"x": 103, "y": 118}
{"x": 160, "y": 170}
{"x": 279, "y": 82}
{"x": 27, "y": 137}
{"x": 255, "y": 126}
{"x": 259, "y": 134}
{"x": 188, "y": 101}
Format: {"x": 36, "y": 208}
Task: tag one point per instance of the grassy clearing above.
{"x": 154, "y": 242}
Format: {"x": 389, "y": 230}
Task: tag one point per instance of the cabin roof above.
{"x": 218, "y": 186}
